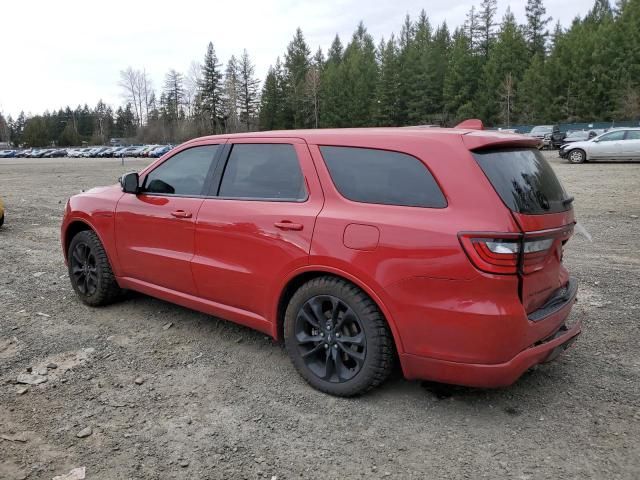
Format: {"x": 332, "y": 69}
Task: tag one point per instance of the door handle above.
{"x": 287, "y": 225}
{"x": 181, "y": 214}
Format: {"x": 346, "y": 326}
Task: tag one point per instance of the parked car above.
{"x": 551, "y": 135}
{"x": 126, "y": 152}
{"x": 159, "y": 151}
{"x": 618, "y": 144}
{"x": 307, "y": 237}
{"x": 7, "y": 153}
{"x": 1, "y": 213}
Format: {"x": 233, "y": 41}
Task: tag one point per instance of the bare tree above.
{"x": 507, "y": 93}
{"x": 147, "y": 93}
{"x": 192, "y": 80}
{"x": 130, "y": 84}
{"x": 137, "y": 88}
{"x": 312, "y": 87}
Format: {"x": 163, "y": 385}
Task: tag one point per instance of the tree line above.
{"x": 494, "y": 69}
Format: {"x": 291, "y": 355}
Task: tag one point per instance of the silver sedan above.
{"x": 617, "y": 145}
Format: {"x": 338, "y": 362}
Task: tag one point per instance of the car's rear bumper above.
{"x": 483, "y": 347}
{"x": 491, "y": 375}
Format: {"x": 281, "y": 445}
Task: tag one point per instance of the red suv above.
{"x": 441, "y": 248}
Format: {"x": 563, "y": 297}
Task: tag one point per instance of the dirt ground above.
{"x": 170, "y": 393}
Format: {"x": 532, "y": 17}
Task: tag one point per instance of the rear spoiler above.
{"x": 489, "y": 139}
{"x": 471, "y": 124}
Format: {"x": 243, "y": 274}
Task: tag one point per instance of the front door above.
{"x": 259, "y": 225}
{"x": 155, "y": 228}
{"x": 608, "y": 146}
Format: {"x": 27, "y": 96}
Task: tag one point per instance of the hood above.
{"x": 580, "y": 143}
{"x": 102, "y": 190}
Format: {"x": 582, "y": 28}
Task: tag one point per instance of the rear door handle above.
{"x": 181, "y": 214}
{"x": 287, "y": 225}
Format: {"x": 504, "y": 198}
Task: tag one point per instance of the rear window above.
{"x": 380, "y": 176}
{"x": 524, "y": 180}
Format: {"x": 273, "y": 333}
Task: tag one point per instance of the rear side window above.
{"x": 524, "y": 180}
{"x": 183, "y": 174}
{"x": 379, "y": 176}
{"x": 633, "y": 135}
{"x": 263, "y": 171}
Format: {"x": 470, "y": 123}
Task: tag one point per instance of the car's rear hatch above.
{"x": 529, "y": 188}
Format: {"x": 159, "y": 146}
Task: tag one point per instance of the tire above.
{"x": 576, "y": 156}
{"x": 2, "y": 220}
{"x": 321, "y": 353}
{"x": 90, "y": 272}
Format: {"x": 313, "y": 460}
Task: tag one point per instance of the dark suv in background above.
{"x": 551, "y": 135}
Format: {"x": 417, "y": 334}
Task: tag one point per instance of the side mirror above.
{"x": 130, "y": 182}
{"x": 596, "y": 140}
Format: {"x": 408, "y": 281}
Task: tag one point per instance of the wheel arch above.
{"x": 301, "y": 276}
{"x": 74, "y": 227}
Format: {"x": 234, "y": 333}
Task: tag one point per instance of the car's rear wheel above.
{"x": 337, "y": 338}
{"x": 577, "y": 156}
{"x": 2, "y": 220}
{"x": 90, "y": 272}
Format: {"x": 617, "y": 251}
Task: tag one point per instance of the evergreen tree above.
{"x": 506, "y": 65}
{"x": 332, "y": 105}
{"x": 461, "y": 79}
{"x": 536, "y": 28}
{"x": 230, "y": 102}
{"x": 534, "y": 93}
{"x": 296, "y": 65}
{"x": 174, "y": 95}
{"x": 248, "y": 92}
{"x": 209, "y": 98}
{"x": 387, "y": 90}
{"x": 486, "y": 25}
{"x": 360, "y": 78}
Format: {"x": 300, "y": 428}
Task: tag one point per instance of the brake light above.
{"x": 506, "y": 253}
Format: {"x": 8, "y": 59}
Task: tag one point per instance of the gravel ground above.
{"x": 159, "y": 392}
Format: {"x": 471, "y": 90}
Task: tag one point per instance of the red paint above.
{"x": 451, "y": 320}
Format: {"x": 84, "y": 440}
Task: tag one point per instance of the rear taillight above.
{"x": 506, "y": 253}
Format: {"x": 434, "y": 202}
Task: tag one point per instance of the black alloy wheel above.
{"x": 337, "y": 337}
{"x": 83, "y": 269}
{"x": 331, "y": 339}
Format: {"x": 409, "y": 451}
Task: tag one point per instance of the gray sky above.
{"x": 71, "y": 52}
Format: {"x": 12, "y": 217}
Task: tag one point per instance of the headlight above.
{"x": 547, "y": 136}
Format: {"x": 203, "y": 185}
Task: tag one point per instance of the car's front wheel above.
{"x": 90, "y": 272}
{"x": 577, "y": 156}
{"x": 337, "y": 338}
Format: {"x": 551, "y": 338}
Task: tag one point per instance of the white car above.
{"x": 617, "y": 145}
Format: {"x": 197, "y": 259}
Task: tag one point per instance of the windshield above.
{"x": 542, "y": 129}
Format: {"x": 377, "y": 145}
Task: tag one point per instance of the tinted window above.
{"x": 263, "y": 171}
{"x": 524, "y": 180}
{"x": 609, "y": 137}
{"x": 184, "y": 173}
{"x": 633, "y": 135}
{"x": 380, "y": 176}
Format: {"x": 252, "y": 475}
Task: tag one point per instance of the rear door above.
{"x": 257, "y": 224}
{"x": 528, "y": 186}
{"x": 155, "y": 229}
{"x": 631, "y": 145}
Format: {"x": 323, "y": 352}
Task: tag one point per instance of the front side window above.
{"x": 610, "y": 137}
{"x": 183, "y": 174}
{"x": 263, "y": 172}
{"x": 383, "y": 177}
